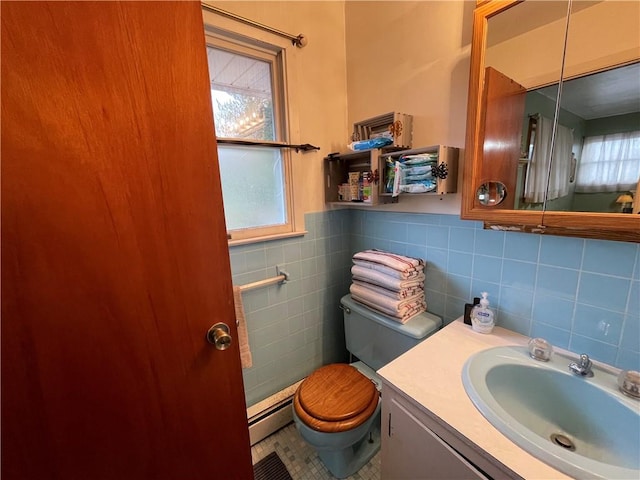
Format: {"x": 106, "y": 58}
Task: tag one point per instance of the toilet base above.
{"x": 346, "y": 462}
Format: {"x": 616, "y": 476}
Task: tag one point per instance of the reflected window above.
{"x": 609, "y": 163}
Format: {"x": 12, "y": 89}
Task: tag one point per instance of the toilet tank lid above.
{"x": 418, "y": 327}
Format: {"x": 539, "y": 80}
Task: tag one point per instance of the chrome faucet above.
{"x": 583, "y": 367}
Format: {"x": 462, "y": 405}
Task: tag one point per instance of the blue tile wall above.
{"x": 296, "y": 327}
{"x": 582, "y": 295}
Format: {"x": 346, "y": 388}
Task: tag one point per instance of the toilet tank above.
{"x": 376, "y": 339}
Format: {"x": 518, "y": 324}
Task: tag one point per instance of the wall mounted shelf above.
{"x": 370, "y": 166}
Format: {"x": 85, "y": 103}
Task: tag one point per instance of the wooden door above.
{"x": 114, "y": 253}
{"x": 503, "y": 100}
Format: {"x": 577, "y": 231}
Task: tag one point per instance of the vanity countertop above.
{"x": 431, "y": 375}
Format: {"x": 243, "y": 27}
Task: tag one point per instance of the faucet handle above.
{"x": 585, "y": 362}
{"x": 629, "y": 383}
{"x": 582, "y": 367}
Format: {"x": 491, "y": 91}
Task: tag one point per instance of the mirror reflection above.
{"x": 597, "y": 144}
{"x": 597, "y": 139}
{"x": 491, "y": 194}
{"x": 523, "y": 31}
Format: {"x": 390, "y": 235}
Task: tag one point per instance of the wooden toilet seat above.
{"x": 335, "y": 398}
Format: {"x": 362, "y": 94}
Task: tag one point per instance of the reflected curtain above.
{"x": 540, "y": 163}
{"x": 610, "y": 163}
{"x": 561, "y": 165}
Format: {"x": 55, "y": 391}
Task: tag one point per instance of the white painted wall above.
{"x": 368, "y": 58}
{"x": 320, "y": 80}
{"x": 412, "y": 57}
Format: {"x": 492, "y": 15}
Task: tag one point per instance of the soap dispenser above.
{"x": 482, "y": 317}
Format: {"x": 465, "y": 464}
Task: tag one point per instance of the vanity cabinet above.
{"x": 362, "y": 178}
{"x": 411, "y": 450}
{"x": 415, "y": 446}
{"x": 546, "y": 53}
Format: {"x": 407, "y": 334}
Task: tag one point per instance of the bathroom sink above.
{"x": 584, "y": 427}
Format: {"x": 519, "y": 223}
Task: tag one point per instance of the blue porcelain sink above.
{"x": 583, "y": 427}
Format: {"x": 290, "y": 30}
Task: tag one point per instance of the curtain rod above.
{"x": 305, "y": 147}
{"x": 297, "y": 40}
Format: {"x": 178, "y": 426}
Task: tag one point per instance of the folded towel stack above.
{"x": 388, "y": 283}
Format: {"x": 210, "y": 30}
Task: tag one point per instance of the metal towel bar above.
{"x": 280, "y": 278}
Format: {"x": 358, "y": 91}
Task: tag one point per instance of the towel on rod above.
{"x": 243, "y": 338}
{"x": 381, "y": 279}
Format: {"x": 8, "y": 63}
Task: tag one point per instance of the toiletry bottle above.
{"x": 482, "y": 317}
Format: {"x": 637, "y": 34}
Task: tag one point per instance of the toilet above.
{"x": 336, "y": 409}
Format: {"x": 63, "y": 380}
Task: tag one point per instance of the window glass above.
{"x": 248, "y": 99}
{"x": 252, "y": 186}
{"x": 242, "y": 95}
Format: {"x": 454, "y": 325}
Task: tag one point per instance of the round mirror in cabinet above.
{"x": 491, "y": 193}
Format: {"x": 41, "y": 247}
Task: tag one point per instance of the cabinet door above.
{"x": 411, "y": 451}
{"x": 599, "y": 115}
{"x": 504, "y": 113}
{"x": 525, "y": 41}
{"x": 517, "y": 48}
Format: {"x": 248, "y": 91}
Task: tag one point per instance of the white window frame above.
{"x": 221, "y": 32}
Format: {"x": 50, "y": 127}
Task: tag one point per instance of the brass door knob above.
{"x": 218, "y": 335}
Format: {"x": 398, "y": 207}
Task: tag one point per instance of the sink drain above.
{"x": 563, "y": 441}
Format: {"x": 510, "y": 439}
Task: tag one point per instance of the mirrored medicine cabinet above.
{"x": 554, "y": 117}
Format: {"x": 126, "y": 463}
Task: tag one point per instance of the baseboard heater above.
{"x": 271, "y": 414}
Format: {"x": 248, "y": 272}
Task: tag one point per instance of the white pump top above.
{"x": 484, "y": 301}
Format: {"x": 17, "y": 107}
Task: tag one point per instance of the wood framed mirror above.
{"x": 516, "y": 97}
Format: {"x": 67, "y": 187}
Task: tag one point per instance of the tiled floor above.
{"x": 300, "y": 459}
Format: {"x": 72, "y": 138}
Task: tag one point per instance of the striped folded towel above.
{"x": 391, "y": 260}
{"x": 397, "y": 294}
{"x": 381, "y": 279}
{"x": 407, "y": 313}
{"x": 399, "y": 310}
{"x": 392, "y": 272}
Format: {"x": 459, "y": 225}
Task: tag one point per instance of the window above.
{"x": 249, "y": 103}
{"x": 610, "y": 163}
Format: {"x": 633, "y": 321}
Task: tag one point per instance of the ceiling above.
{"x": 604, "y": 94}
{"x": 241, "y": 74}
